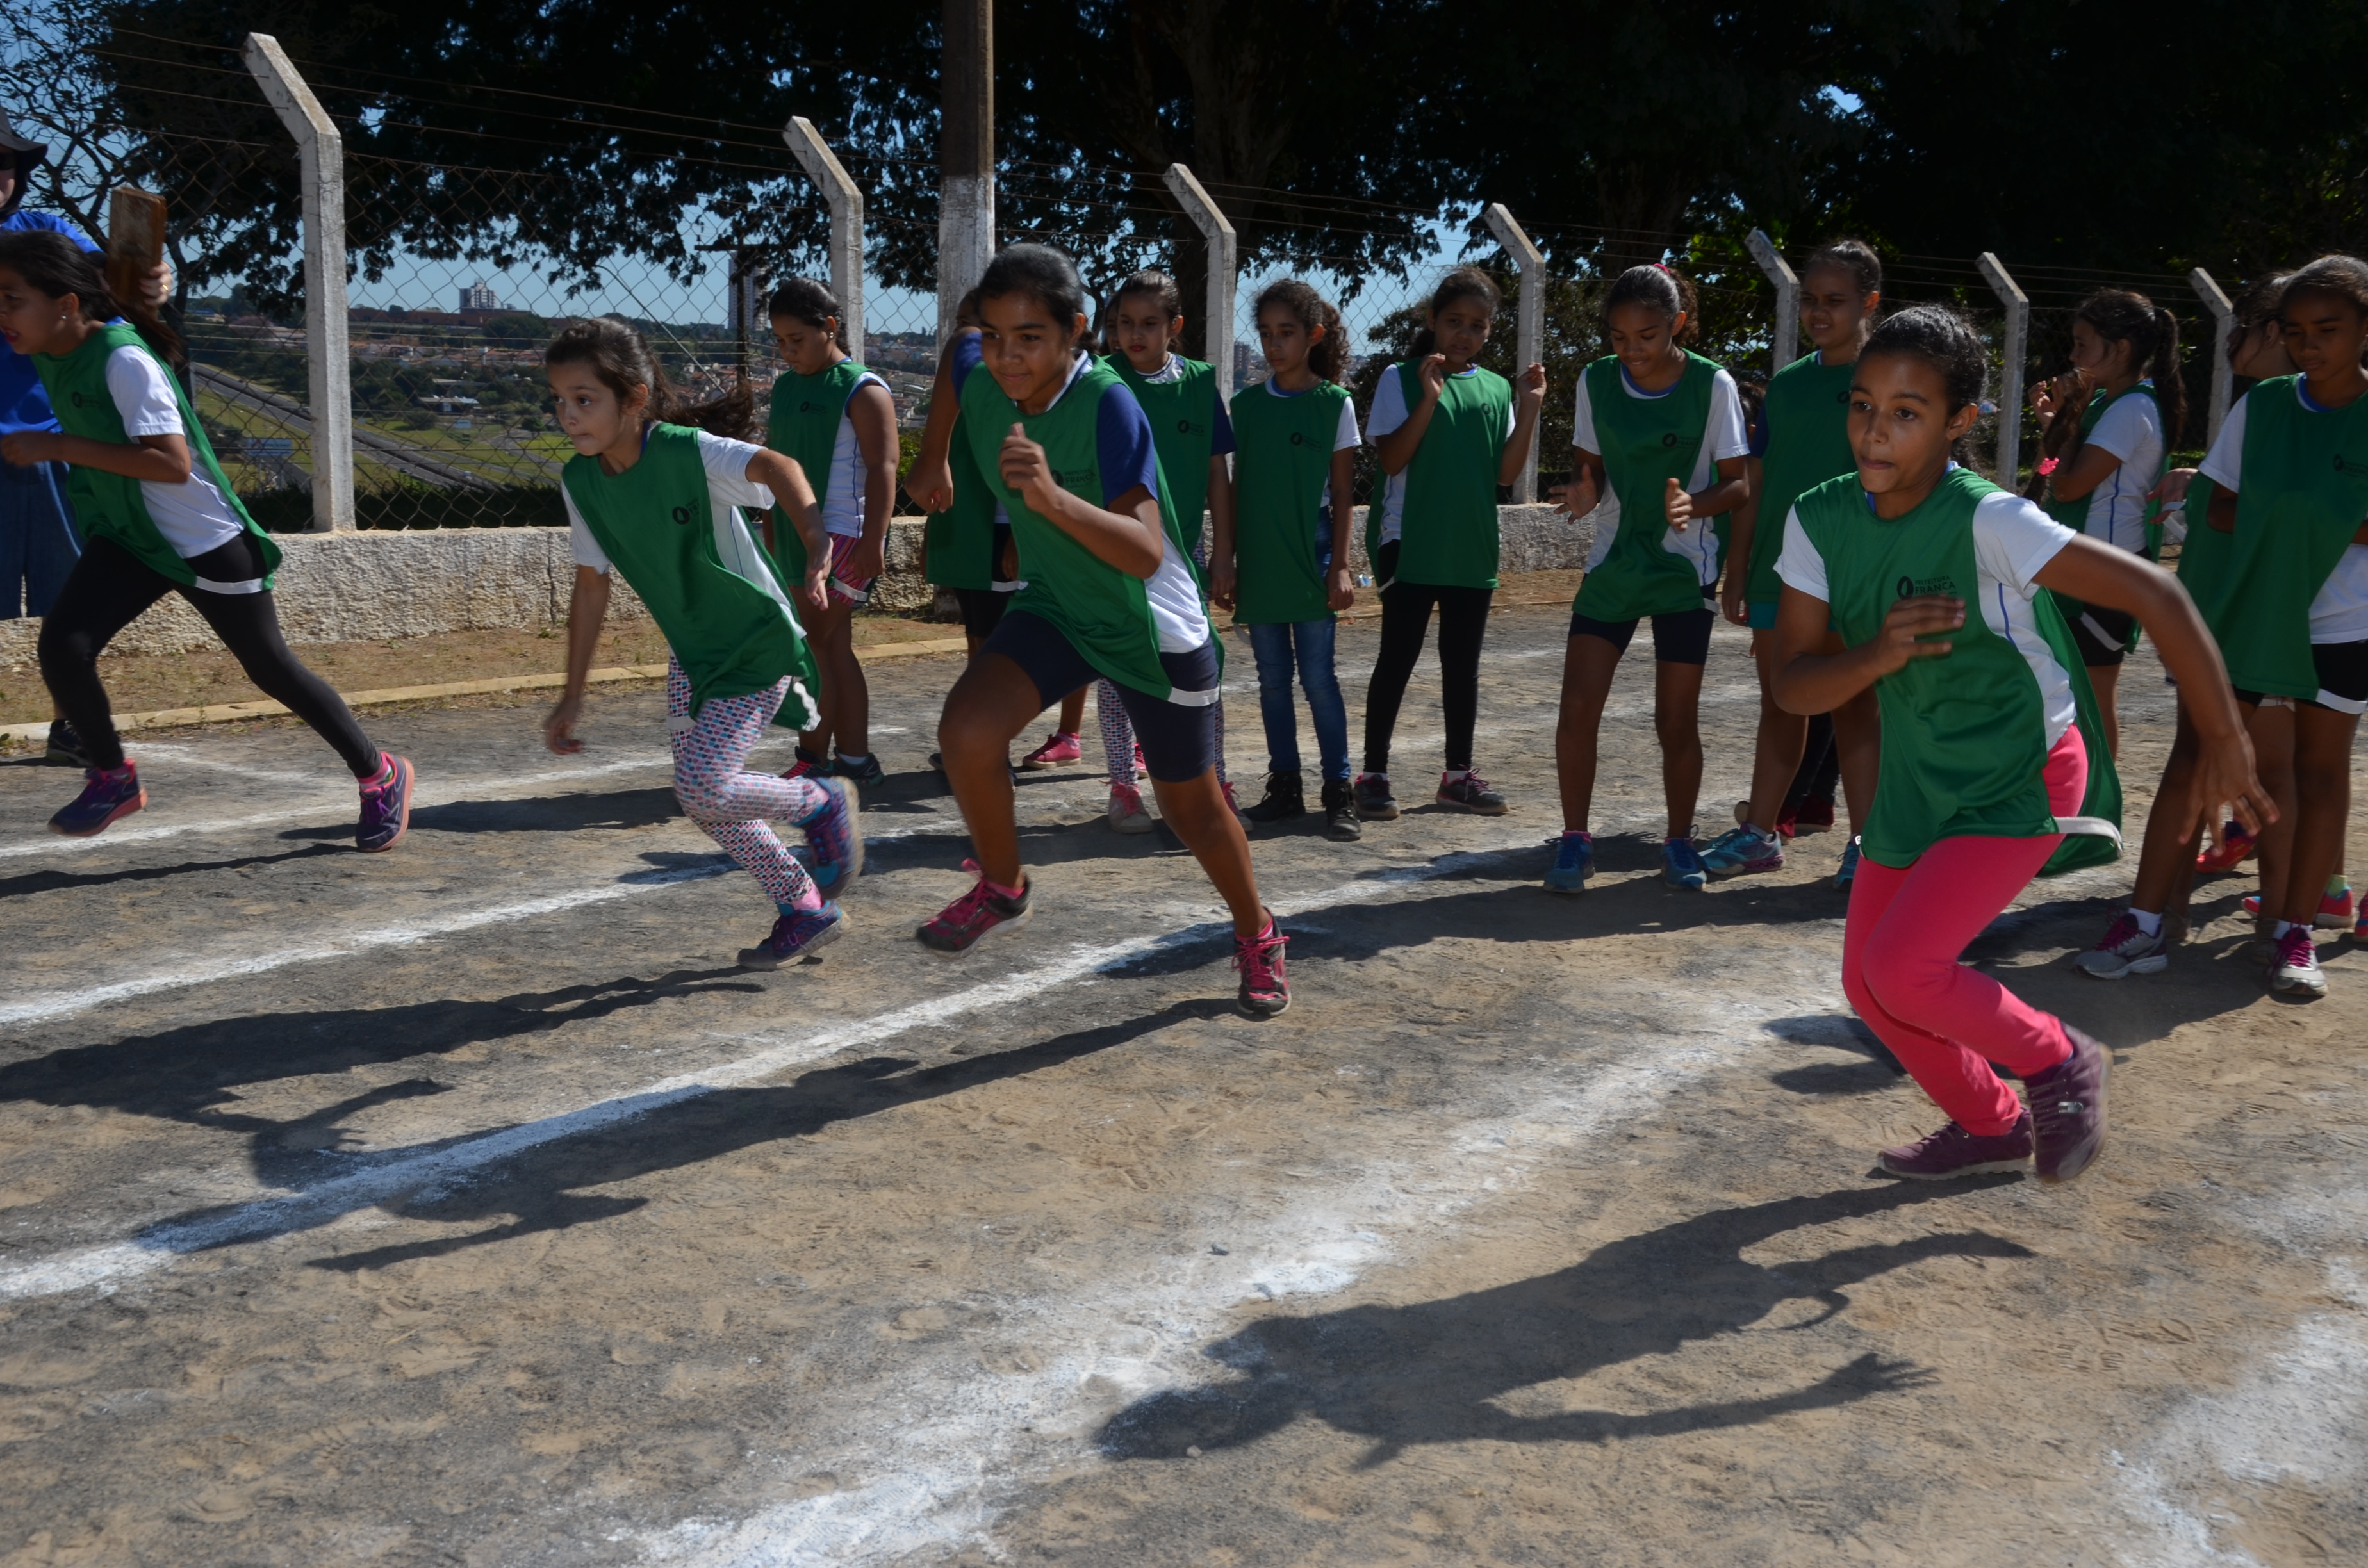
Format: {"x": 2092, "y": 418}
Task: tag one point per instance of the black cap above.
{"x": 29, "y": 155}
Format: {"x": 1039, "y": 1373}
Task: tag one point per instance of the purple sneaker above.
{"x": 1954, "y": 1151}
{"x": 386, "y": 807}
{"x": 108, "y": 795}
{"x": 2067, "y": 1107}
{"x": 836, "y": 835}
{"x": 794, "y": 935}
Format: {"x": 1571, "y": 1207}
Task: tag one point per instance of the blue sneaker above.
{"x": 795, "y": 934}
{"x": 834, "y": 834}
{"x": 1848, "y": 872}
{"x": 1742, "y": 850}
{"x": 386, "y": 806}
{"x": 108, "y": 795}
{"x": 1681, "y": 864}
{"x": 1574, "y": 862}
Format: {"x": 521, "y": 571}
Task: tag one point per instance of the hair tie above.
{"x": 2047, "y": 466}
{"x": 1664, "y": 266}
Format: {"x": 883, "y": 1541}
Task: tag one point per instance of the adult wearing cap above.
{"x": 38, "y": 544}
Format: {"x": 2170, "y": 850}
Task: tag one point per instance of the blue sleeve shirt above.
{"x": 23, "y": 405}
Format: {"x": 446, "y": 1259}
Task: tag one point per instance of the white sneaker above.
{"x": 2125, "y": 949}
{"x": 2297, "y": 972}
{"x": 1126, "y": 811}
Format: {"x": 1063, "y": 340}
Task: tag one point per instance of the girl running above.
{"x": 2102, "y": 463}
{"x": 1990, "y": 749}
{"x": 2290, "y": 485}
{"x": 1447, "y": 433}
{"x": 1275, "y": 564}
{"x": 835, "y": 420}
{"x": 1801, "y": 439}
{"x": 656, "y": 499}
{"x": 1185, "y": 401}
{"x": 1110, "y": 592}
{"x": 1660, "y": 428}
{"x": 158, "y": 517}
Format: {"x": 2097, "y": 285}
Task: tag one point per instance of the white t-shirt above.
{"x": 2340, "y": 612}
{"x": 842, "y": 507}
{"x": 2130, "y": 428}
{"x": 192, "y": 515}
{"x": 728, "y": 489}
{"x": 2013, "y": 543}
{"x": 1724, "y": 436}
{"x": 1389, "y": 412}
{"x": 1344, "y": 436}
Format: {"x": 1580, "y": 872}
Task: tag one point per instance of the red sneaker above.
{"x": 957, "y": 928}
{"x": 1814, "y": 814}
{"x": 1264, "y": 992}
{"x": 1061, "y": 748}
{"x": 2231, "y": 848}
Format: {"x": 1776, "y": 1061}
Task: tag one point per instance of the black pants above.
{"x": 109, "y": 589}
{"x": 1405, "y": 621}
{"x": 1821, "y": 765}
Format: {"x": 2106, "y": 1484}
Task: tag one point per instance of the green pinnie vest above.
{"x": 1104, "y": 612}
{"x": 961, "y": 540}
{"x": 1807, "y": 410}
{"x": 1646, "y": 442}
{"x": 1447, "y": 521}
{"x": 1183, "y": 429}
{"x": 2302, "y": 493}
{"x": 1282, "y": 458}
{"x": 803, "y": 423}
{"x": 719, "y": 601}
{"x": 109, "y": 505}
{"x": 1964, "y": 736}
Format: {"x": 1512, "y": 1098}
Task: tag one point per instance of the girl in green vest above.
{"x": 652, "y": 497}
{"x": 838, "y": 421}
{"x": 1280, "y": 567}
{"x": 1939, "y": 583}
{"x": 967, "y": 546}
{"x": 1661, "y": 431}
{"x": 2099, "y": 467}
{"x": 1110, "y": 592}
{"x": 1802, "y": 439}
{"x": 2289, "y": 472}
{"x": 1446, "y": 433}
{"x": 158, "y": 517}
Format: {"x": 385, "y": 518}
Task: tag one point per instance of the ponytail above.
{"x": 623, "y": 363}
{"x": 2119, "y": 315}
{"x": 1326, "y": 356}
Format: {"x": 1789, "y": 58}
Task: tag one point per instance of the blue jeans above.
{"x": 1272, "y": 645}
{"x": 38, "y": 544}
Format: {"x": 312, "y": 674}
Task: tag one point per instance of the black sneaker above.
{"x": 1375, "y": 801}
{"x": 1468, "y": 791}
{"x": 865, "y": 775}
{"x": 1284, "y": 799}
{"x": 66, "y": 747}
{"x": 1341, "y": 823}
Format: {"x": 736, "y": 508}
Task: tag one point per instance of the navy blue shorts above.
{"x": 1682, "y": 638}
{"x": 1179, "y": 739}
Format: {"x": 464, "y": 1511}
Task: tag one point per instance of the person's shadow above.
{"x": 1434, "y": 1371}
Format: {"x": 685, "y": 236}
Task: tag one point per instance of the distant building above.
{"x": 477, "y": 297}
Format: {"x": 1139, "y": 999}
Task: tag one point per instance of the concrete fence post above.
{"x": 1785, "y": 341}
{"x": 1217, "y": 303}
{"x": 1530, "y": 323}
{"x": 822, "y": 166}
{"x": 966, "y": 155}
{"x": 2009, "y": 398}
{"x": 321, "y": 156}
{"x": 2224, "y": 323}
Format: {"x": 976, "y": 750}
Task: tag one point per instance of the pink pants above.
{"x": 1947, "y": 1023}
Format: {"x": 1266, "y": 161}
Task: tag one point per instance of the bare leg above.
{"x": 1073, "y": 712}
{"x": 1858, "y": 738}
{"x": 1195, "y": 810}
{"x": 846, "y": 696}
{"x": 992, "y": 702}
{"x": 2105, "y": 680}
{"x": 1676, "y": 722}
{"x": 1587, "y": 667}
{"x": 2171, "y": 828}
{"x": 2274, "y": 753}
{"x": 2323, "y": 797}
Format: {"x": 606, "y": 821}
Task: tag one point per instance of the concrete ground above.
{"x": 465, "y": 1205}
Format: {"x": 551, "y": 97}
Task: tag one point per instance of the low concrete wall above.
{"x": 373, "y": 587}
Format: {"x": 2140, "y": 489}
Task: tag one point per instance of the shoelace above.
{"x": 1252, "y": 958}
{"x": 2121, "y": 931}
{"x": 971, "y": 906}
{"x": 2295, "y": 949}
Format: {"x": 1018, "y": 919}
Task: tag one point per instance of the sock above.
{"x": 2283, "y": 927}
{"x": 1000, "y": 890}
{"x": 809, "y": 899}
{"x": 384, "y": 775}
{"x": 2150, "y": 921}
{"x": 2338, "y": 884}
{"x": 1453, "y": 774}
{"x": 859, "y": 758}
{"x": 1578, "y": 833}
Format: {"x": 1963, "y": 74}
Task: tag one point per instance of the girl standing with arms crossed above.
{"x": 1110, "y": 592}
{"x": 1661, "y": 428}
{"x": 1802, "y": 440}
{"x": 653, "y": 498}
{"x": 1276, "y": 564}
{"x": 158, "y": 517}
{"x": 837, "y": 421}
{"x": 1447, "y": 433}
{"x": 2101, "y": 479}
{"x": 1985, "y": 764}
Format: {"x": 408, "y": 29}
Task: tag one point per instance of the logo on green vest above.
{"x": 1184, "y": 427}
{"x": 1909, "y": 588}
{"x": 808, "y": 406}
{"x": 682, "y": 517}
{"x": 1077, "y": 480}
{"x": 77, "y": 402}
{"x": 1299, "y": 438}
{"x": 1670, "y": 439}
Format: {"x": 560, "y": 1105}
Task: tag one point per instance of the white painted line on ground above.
{"x": 273, "y": 1216}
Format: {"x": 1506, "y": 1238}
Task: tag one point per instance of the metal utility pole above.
{"x": 966, "y": 155}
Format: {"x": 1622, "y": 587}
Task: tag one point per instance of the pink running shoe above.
{"x": 2231, "y": 847}
{"x": 957, "y": 928}
{"x": 2334, "y": 910}
{"x": 1126, "y": 813}
{"x": 1058, "y": 751}
{"x": 1264, "y": 992}
{"x": 1232, "y": 804}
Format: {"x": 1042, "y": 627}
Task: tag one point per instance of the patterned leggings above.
{"x": 730, "y": 804}
{"x": 1118, "y": 735}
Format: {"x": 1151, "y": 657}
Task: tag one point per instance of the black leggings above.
{"x": 1821, "y": 765}
{"x": 1405, "y": 621}
{"x": 110, "y": 588}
